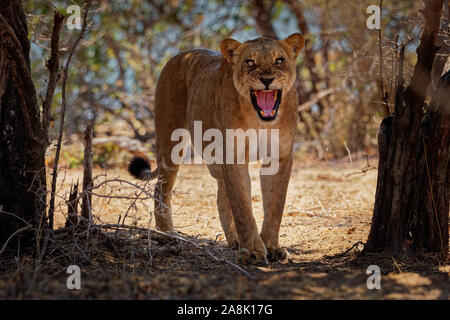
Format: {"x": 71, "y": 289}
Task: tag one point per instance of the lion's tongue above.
{"x": 265, "y": 100}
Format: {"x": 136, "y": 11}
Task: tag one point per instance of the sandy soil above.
{"x": 328, "y": 209}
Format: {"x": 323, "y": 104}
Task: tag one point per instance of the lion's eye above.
{"x": 250, "y": 62}
{"x": 279, "y": 61}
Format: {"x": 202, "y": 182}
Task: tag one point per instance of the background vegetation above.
{"x": 113, "y": 75}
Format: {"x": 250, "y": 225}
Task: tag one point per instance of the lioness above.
{"x": 249, "y": 85}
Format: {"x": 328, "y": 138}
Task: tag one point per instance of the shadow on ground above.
{"x": 116, "y": 267}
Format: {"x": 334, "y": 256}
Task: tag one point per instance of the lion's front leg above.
{"x": 274, "y": 188}
{"x": 237, "y": 183}
{"x": 226, "y": 216}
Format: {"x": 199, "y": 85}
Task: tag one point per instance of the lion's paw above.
{"x": 233, "y": 244}
{"x": 257, "y": 255}
{"x": 277, "y": 254}
{"x": 254, "y": 257}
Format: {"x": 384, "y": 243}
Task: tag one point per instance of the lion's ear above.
{"x": 294, "y": 44}
{"x": 228, "y": 47}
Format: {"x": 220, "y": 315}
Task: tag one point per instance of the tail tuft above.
{"x": 139, "y": 167}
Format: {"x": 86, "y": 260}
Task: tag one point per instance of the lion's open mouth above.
{"x": 266, "y": 103}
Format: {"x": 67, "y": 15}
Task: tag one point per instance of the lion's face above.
{"x": 263, "y": 70}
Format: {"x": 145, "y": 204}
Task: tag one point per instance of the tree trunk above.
{"x": 263, "y": 17}
{"x": 412, "y": 197}
{"x": 22, "y": 139}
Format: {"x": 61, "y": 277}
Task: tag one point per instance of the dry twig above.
{"x": 63, "y": 111}
{"x": 177, "y": 237}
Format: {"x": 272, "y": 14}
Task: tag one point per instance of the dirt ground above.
{"x": 328, "y": 209}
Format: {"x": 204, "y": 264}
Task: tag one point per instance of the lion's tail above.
{"x": 140, "y": 169}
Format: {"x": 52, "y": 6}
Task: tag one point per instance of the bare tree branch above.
{"x": 87, "y": 174}
{"x": 53, "y": 67}
{"x": 264, "y": 16}
{"x": 426, "y": 51}
{"x": 63, "y": 111}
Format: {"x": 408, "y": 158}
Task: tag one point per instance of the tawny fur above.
{"x": 204, "y": 85}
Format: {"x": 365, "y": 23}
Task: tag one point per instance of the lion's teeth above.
{"x": 261, "y": 112}
{"x": 273, "y": 111}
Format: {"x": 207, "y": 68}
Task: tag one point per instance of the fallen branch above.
{"x": 177, "y": 237}
{"x": 362, "y": 171}
{"x": 351, "y": 248}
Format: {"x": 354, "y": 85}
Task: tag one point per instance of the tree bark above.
{"x": 444, "y": 48}
{"x": 412, "y": 197}
{"x": 263, "y": 17}
{"x": 72, "y": 207}
{"x": 86, "y": 205}
{"x": 22, "y": 139}
{"x": 430, "y": 210}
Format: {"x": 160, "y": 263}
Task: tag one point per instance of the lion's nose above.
{"x": 266, "y": 81}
